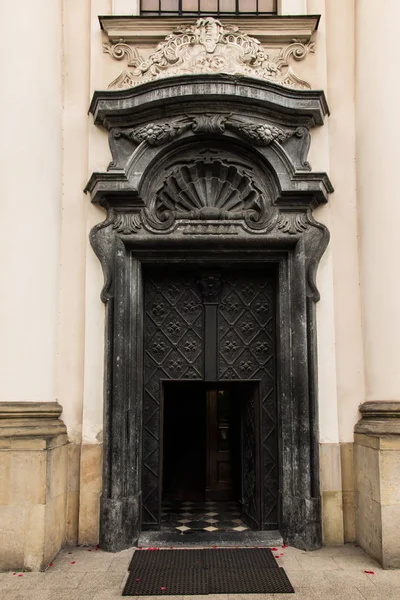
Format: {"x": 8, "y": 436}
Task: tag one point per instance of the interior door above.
{"x": 250, "y": 459}
{"x": 219, "y": 455}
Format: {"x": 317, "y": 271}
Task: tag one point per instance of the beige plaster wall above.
{"x": 31, "y": 159}
{"x": 344, "y": 225}
{"x": 378, "y": 129}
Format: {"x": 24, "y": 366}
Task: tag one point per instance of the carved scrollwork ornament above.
{"x": 207, "y": 46}
{"x": 103, "y": 237}
{"x": 292, "y": 223}
{"x": 127, "y": 223}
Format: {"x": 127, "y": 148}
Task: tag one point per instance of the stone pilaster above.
{"x": 33, "y": 484}
{"x": 377, "y": 481}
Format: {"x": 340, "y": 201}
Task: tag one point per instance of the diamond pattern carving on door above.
{"x": 247, "y": 338}
{"x": 173, "y": 349}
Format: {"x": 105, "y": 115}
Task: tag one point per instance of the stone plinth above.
{"x": 33, "y": 484}
{"x": 377, "y": 481}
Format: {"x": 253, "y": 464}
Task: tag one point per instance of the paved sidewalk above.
{"x": 88, "y": 574}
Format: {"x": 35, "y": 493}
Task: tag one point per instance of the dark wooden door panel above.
{"x": 173, "y": 349}
{"x": 250, "y": 449}
{"x": 247, "y": 351}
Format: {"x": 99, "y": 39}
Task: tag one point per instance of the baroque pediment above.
{"x": 208, "y": 46}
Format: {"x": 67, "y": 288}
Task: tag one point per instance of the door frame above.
{"x": 300, "y": 521}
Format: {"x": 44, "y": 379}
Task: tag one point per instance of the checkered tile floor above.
{"x": 207, "y": 516}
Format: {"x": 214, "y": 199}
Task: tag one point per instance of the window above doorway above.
{"x": 173, "y": 8}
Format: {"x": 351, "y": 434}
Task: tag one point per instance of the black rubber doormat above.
{"x": 208, "y": 571}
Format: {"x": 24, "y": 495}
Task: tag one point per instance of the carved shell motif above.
{"x": 208, "y": 190}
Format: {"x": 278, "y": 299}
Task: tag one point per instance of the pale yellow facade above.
{"x": 52, "y": 320}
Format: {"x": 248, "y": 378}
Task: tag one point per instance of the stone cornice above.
{"x": 115, "y": 107}
{"x": 379, "y": 418}
{"x": 269, "y": 29}
{"x": 31, "y": 419}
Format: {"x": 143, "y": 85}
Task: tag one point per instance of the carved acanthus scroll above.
{"x": 210, "y": 47}
{"x": 258, "y": 133}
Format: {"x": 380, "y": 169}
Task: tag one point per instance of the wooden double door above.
{"x": 210, "y": 388}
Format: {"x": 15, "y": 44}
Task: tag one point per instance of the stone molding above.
{"x": 142, "y": 31}
{"x": 31, "y": 419}
{"x": 210, "y": 45}
{"x": 379, "y": 418}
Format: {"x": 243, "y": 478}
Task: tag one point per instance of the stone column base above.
{"x": 33, "y": 484}
{"x": 377, "y": 481}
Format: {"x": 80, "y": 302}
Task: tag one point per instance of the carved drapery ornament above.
{"x": 210, "y": 47}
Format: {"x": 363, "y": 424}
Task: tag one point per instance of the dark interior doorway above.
{"x": 184, "y": 456}
{"x": 211, "y": 449}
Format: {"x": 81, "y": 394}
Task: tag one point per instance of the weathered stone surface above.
{"x": 33, "y": 484}
{"x": 377, "y": 470}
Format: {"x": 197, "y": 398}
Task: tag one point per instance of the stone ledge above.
{"x": 150, "y": 30}
{"x": 31, "y": 419}
{"x": 379, "y": 418}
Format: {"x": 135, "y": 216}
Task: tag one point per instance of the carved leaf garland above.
{"x": 210, "y": 47}
{"x": 260, "y": 134}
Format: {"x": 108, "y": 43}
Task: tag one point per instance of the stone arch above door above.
{"x": 258, "y": 119}
{"x": 209, "y": 166}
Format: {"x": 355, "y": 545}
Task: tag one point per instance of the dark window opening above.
{"x": 215, "y": 8}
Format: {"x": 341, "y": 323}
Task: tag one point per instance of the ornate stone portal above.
{"x": 208, "y": 170}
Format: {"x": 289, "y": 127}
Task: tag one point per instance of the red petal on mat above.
{"x": 274, "y": 549}
{"x": 138, "y": 579}
{"x": 20, "y": 575}
{"x": 284, "y": 546}
{"x": 89, "y": 550}
{"x": 73, "y": 562}
{"x": 215, "y": 546}
{"x": 370, "y": 572}
{"x": 276, "y": 555}
{"x": 14, "y": 573}
{"x": 140, "y": 548}
{"x": 51, "y": 564}
{"x": 171, "y": 547}
{"x": 163, "y": 589}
